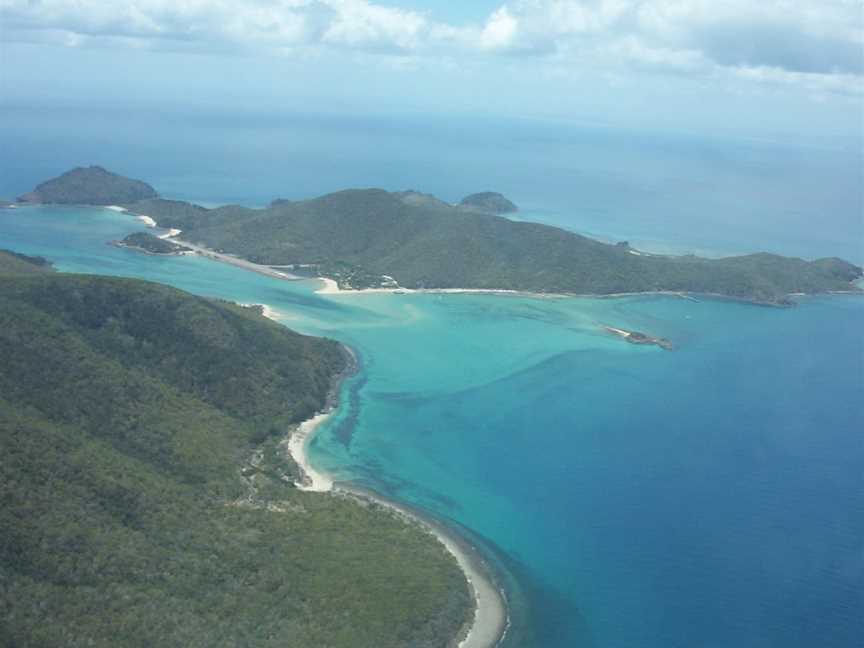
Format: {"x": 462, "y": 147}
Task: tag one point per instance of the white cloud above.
{"x": 818, "y": 43}
{"x": 212, "y": 24}
{"x": 500, "y": 30}
{"x": 810, "y": 42}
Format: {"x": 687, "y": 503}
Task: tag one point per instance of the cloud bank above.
{"x": 815, "y": 43}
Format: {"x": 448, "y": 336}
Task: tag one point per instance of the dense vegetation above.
{"x": 152, "y": 244}
{"x": 488, "y": 201}
{"x": 372, "y": 237}
{"x": 18, "y": 263}
{"x": 144, "y": 499}
{"x": 89, "y": 186}
{"x": 358, "y": 236}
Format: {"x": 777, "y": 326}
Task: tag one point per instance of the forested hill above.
{"x": 358, "y": 236}
{"x": 145, "y": 501}
{"x": 89, "y": 186}
{"x": 18, "y": 263}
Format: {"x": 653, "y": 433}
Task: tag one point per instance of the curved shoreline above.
{"x": 331, "y": 287}
{"x": 491, "y": 617}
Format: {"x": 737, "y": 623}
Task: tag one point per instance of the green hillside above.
{"x": 143, "y": 497}
{"x": 18, "y": 263}
{"x": 357, "y": 236}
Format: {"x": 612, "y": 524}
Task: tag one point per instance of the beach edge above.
{"x": 490, "y": 619}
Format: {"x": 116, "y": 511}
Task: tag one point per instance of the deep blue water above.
{"x": 712, "y": 496}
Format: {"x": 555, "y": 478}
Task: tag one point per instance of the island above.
{"x": 144, "y": 242}
{"x": 91, "y": 185}
{"x": 636, "y": 337}
{"x": 372, "y": 238}
{"x": 489, "y": 202}
{"x": 145, "y": 476}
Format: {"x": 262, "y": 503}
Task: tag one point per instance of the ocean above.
{"x": 628, "y": 496}
{"x": 670, "y": 191}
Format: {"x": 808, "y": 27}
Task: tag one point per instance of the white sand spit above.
{"x": 332, "y": 288}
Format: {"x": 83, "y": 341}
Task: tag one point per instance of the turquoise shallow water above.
{"x": 712, "y": 496}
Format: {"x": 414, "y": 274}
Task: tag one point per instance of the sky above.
{"x": 737, "y": 66}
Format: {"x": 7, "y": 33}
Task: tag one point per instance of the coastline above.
{"x": 491, "y": 619}
{"x": 235, "y": 261}
{"x": 298, "y": 446}
{"x": 331, "y": 287}
{"x": 266, "y": 311}
{"x": 171, "y": 234}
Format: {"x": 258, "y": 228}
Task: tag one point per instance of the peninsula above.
{"x": 371, "y": 238}
{"x": 149, "y": 244}
{"x": 142, "y": 430}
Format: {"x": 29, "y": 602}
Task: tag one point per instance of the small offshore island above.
{"x": 636, "y": 337}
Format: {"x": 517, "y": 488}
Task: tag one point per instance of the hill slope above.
{"x": 127, "y": 410}
{"x": 14, "y": 262}
{"x": 490, "y": 202}
{"x": 357, "y": 236}
{"x": 90, "y": 186}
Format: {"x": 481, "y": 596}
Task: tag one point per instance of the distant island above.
{"x": 150, "y": 244}
{"x": 148, "y": 498}
{"x": 371, "y": 238}
{"x": 89, "y": 186}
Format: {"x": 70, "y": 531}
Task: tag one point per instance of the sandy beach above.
{"x": 332, "y": 288}
{"x": 267, "y": 311}
{"x": 298, "y": 442}
{"x": 149, "y": 222}
{"x": 237, "y": 261}
{"x": 617, "y": 331}
{"x": 491, "y": 618}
